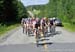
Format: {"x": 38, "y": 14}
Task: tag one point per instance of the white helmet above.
{"x": 54, "y": 18}
{"x": 51, "y": 18}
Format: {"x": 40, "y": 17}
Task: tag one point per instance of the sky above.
{"x": 34, "y": 2}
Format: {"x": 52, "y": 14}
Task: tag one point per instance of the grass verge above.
{"x": 69, "y": 27}
{"x": 4, "y": 29}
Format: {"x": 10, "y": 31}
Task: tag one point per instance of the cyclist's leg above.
{"x": 54, "y": 26}
{"x": 32, "y": 28}
{"x": 27, "y": 28}
{"x": 30, "y": 31}
{"x": 42, "y": 30}
{"x": 39, "y": 31}
{"x": 23, "y": 28}
{"x": 35, "y": 32}
{"x": 48, "y": 28}
{"x": 53, "y": 29}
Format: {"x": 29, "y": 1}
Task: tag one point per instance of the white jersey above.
{"x": 34, "y": 22}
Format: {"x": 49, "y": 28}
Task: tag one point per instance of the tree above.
{"x": 11, "y": 11}
{"x": 22, "y": 11}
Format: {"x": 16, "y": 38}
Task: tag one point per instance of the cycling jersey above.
{"x": 33, "y": 21}
{"x": 43, "y": 22}
{"x": 51, "y": 22}
{"x": 23, "y": 21}
{"x": 37, "y": 23}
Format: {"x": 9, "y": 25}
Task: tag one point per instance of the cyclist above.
{"x": 37, "y": 26}
{"x": 52, "y": 25}
{"x": 27, "y": 25}
{"x": 23, "y": 23}
{"x": 44, "y": 23}
{"x": 37, "y": 23}
{"x": 33, "y": 20}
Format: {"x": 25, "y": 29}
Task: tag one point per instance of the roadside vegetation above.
{"x": 11, "y": 12}
{"x": 69, "y": 27}
{"x": 62, "y": 9}
{"x": 4, "y": 29}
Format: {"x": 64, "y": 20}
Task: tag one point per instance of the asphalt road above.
{"x": 61, "y": 41}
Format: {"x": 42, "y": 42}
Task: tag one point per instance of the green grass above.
{"x": 4, "y": 29}
{"x": 69, "y": 27}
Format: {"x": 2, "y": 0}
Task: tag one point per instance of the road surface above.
{"x": 62, "y": 41}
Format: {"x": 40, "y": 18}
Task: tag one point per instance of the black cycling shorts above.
{"x": 43, "y": 24}
{"x": 37, "y": 25}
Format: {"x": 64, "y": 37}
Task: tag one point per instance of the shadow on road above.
{"x": 40, "y": 42}
{"x": 53, "y": 34}
{"x": 45, "y": 43}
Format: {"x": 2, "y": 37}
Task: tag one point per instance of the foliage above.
{"x": 11, "y": 11}
{"x": 63, "y": 9}
{"x": 22, "y": 11}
